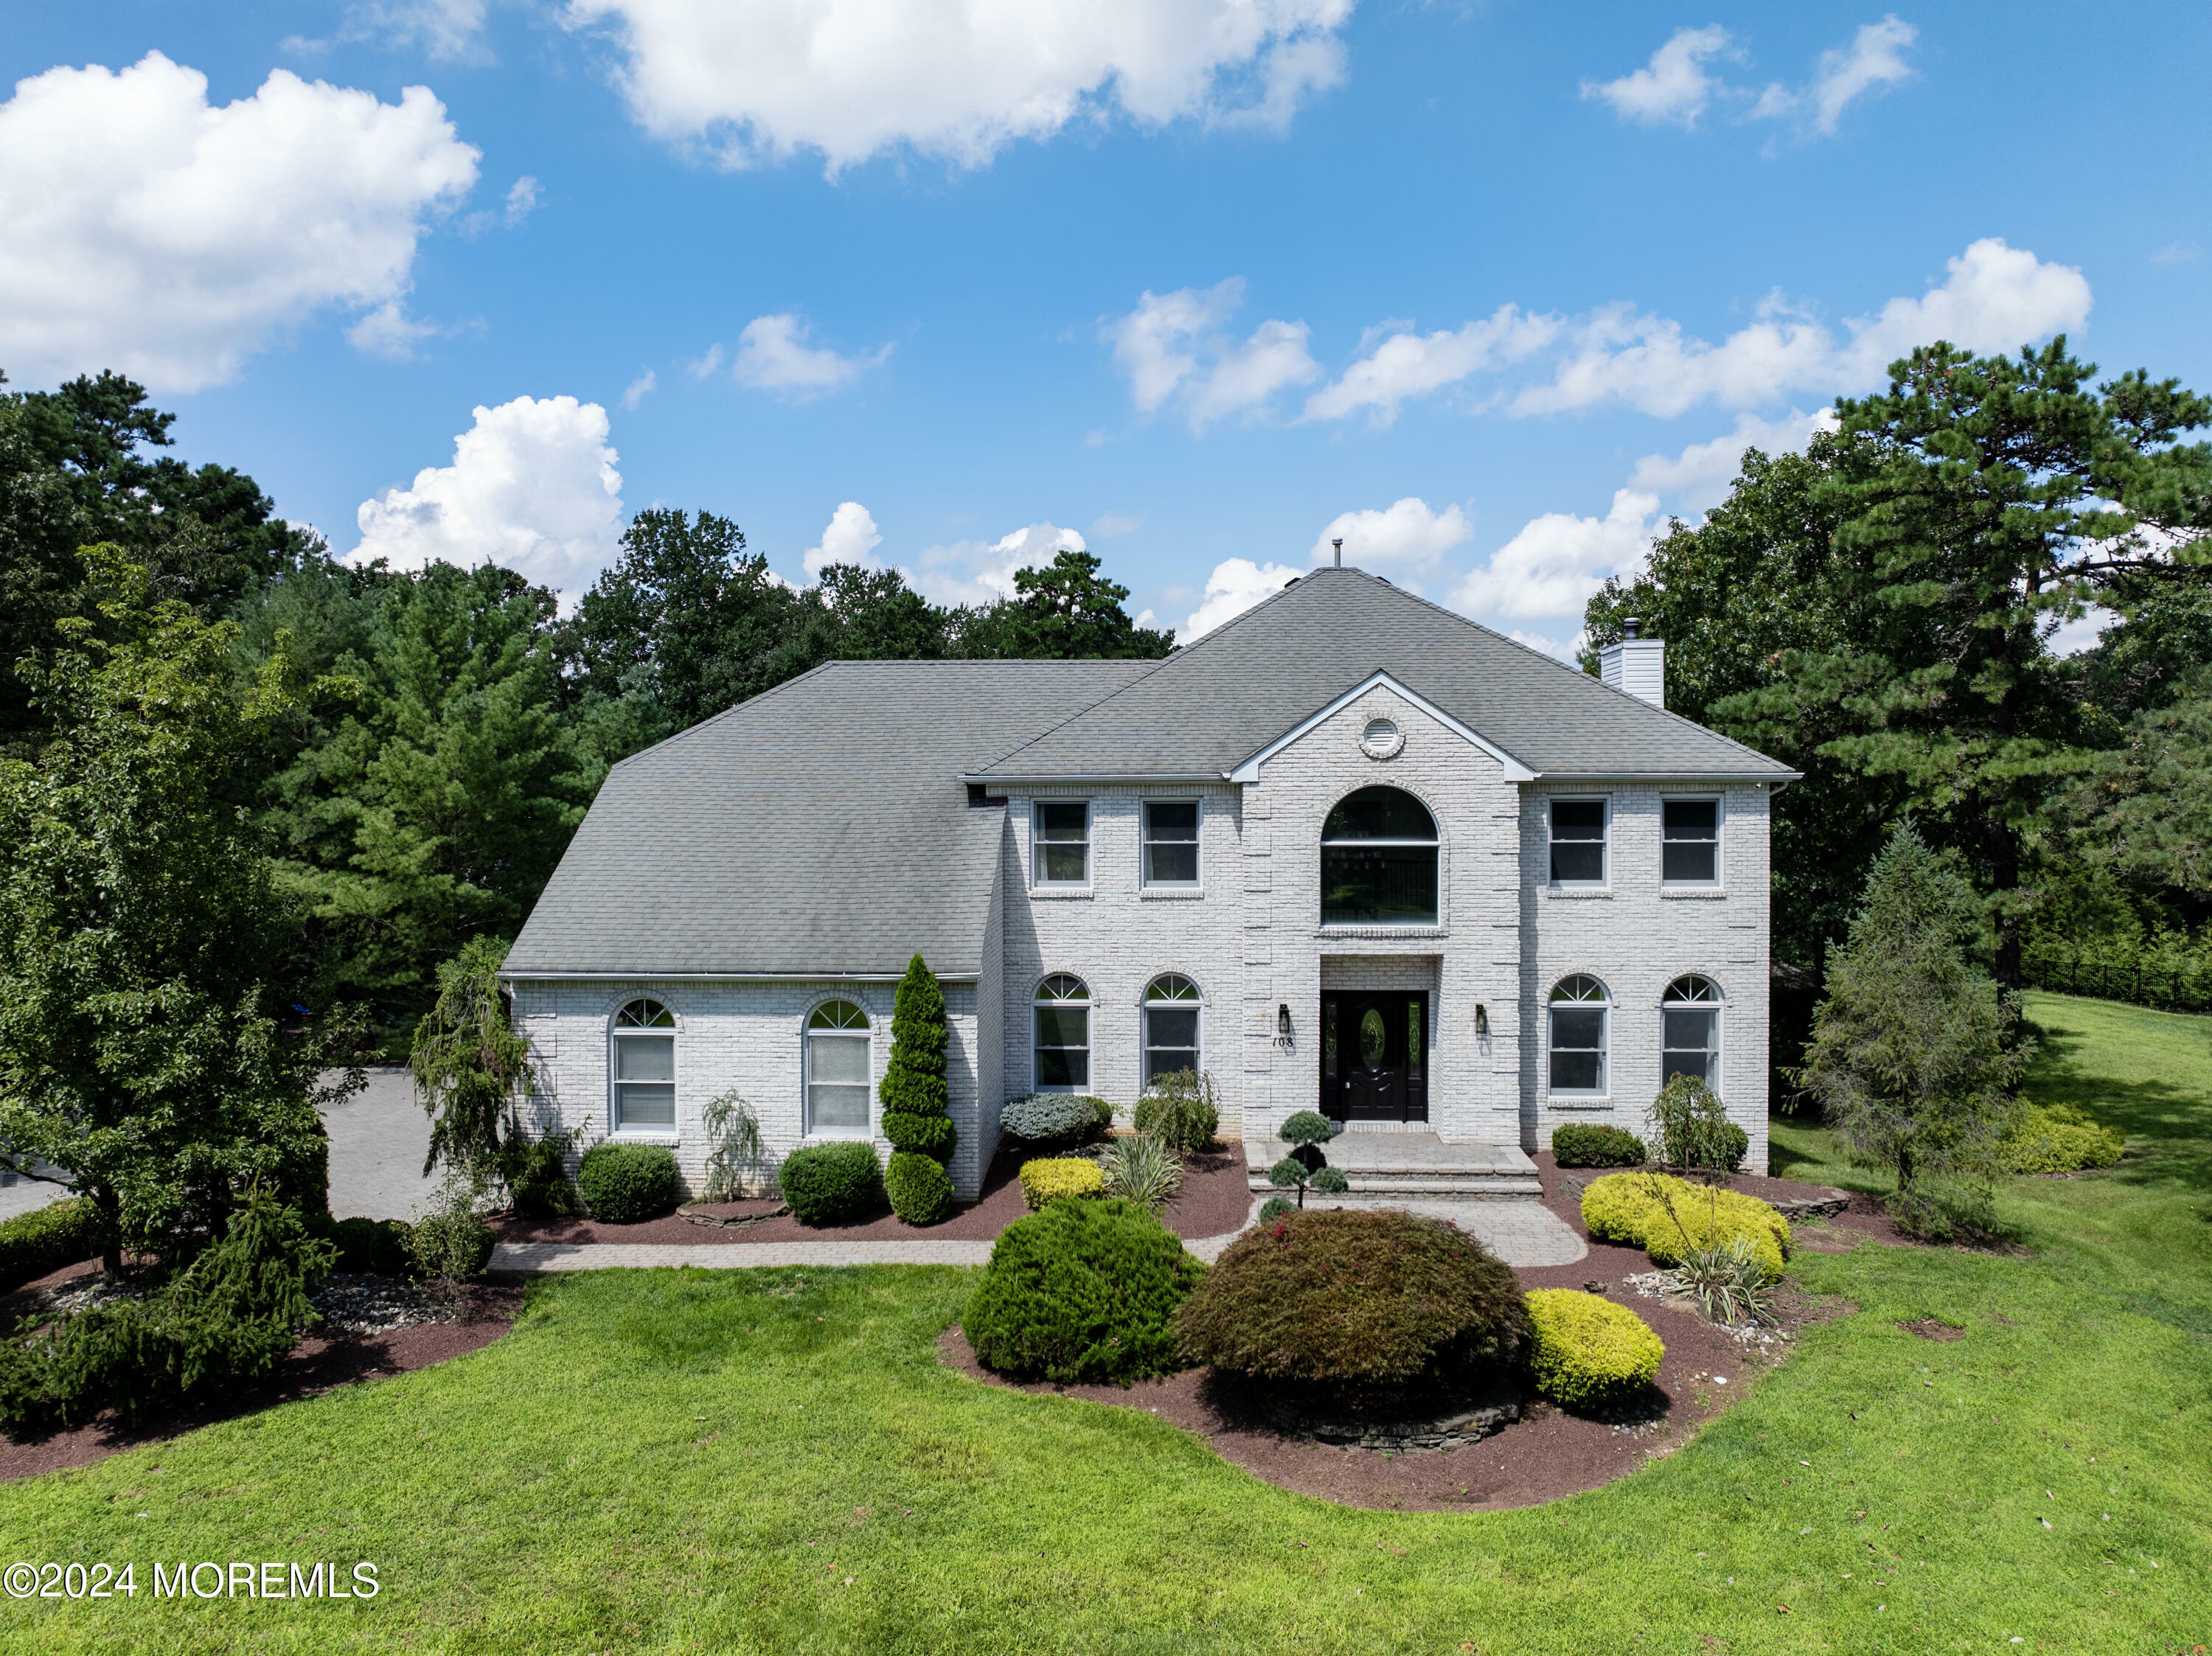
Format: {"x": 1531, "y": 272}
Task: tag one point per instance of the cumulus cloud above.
{"x": 773, "y": 356}
{"x": 1676, "y": 88}
{"x": 1235, "y": 585}
{"x": 850, "y": 79}
{"x": 1406, "y": 364}
{"x": 851, "y": 537}
{"x": 1405, "y": 535}
{"x": 144, "y": 230}
{"x": 1176, "y": 346}
{"x": 1697, "y": 479}
{"x": 1673, "y": 88}
{"x": 532, "y": 487}
{"x": 982, "y": 572}
{"x": 1549, "y": 570}
{"x": 1994, "y": 298}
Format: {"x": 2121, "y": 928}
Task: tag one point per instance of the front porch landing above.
{"x": 1411, "y": 1164}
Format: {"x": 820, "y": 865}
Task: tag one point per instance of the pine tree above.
{"x": 917, "y": 1105}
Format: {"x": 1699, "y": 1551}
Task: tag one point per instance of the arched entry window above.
{"x": 644, "y": 1068}
{"x": 1690, "y": 1031}
{"x": 1378, "y": 861}
{"x": 1170, "y": 1026}
{"x": 838, "y": 1067}
{"x": 1581, "y": 1009}
{"x": 1062, "y": 1055}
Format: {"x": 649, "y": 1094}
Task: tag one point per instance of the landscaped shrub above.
{"x": 2059, "y": 1138}
{"x": 917, "y": 1106}
{"x": 1105, "y": 1112}
{"x": 918, "y": 1188}
{"x": 1691, "y": 1129}
{"x": 624, "y": 1184}
{"x": 1358, "y": 1297}
{"x": 1586, "y": 1351}
{"x": 1142, "y": 1170}
{"x": 1305, "y": 1168}
{"x": 1181, "y": 1111}
{"x": 451, "y": 1243}
{"x": 1053, "y": 1178}
{"x": 1633, "y": 1209}
{"x": 1581, "y": 1145}
{"x": 1048, "y": 1117}
{"x": 64, "y": 1233}
{"x": 373, "y": 1248}
{"x": 223, "y": 1321}
{"x": 831, "y": 1184}
{"x": 1274, "y": 1208}
{"x": 1081, "y": 1291}
{"x": 537, "y": 1176}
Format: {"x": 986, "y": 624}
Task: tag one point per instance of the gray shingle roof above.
{"x": 1210, "y": 706}
{"x": 815, "y": 828}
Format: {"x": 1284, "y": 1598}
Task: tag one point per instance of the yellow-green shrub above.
{"x": 1050, "y": 1178}
{"x": 1667, "y": 1242}
{"x": 2059, "y": 1138}
{"x": 1626, "y": 1208}
{"x": 1587, "y": 1349}
{"x": 1615, "y": 1207}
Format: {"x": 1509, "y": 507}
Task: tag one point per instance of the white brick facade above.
{"x": 1249, "y": 937}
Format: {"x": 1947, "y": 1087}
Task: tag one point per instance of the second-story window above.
{"x": 1577, "y": 841}
{"x": 1690, "y": 852}
{"x": 1171, "y": 842}
{"x": 1062, "y": 850}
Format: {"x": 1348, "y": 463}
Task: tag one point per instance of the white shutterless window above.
{"x": 838, "y": 1069}
{"x": 1690, "y": 1031}
{"x": 1690, "y": 844}
{"x": 1060, "y": 847}
{"x": 1171, "y": 1008}
{"x": 1581, "y": 1014}
{"x": 1060, "y": 1059}
{"x": 644, "y": 1080}
{"x": 1578, "y": 832}
{"x": 1171, "y": 842}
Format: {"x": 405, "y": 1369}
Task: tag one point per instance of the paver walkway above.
{"x": 1520, "y": 1233}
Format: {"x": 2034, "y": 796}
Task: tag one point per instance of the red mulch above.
{"x": 1547, "y": 1454}
{"x": 1213, "y": 1201}
{"x": 318, "y": 1363}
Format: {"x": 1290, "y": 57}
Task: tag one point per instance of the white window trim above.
{"x": 1145, "y": 881}
{"x": 1090, "y": 1047}
{"x": 1718, "y": 1008}
{"x": 1576, "y": 1095}
{"x": 1145, "y": 1005}
{"x": 809, "y": 1129}
{"x": 1437, "y": 927}
{"x": 651, "y": 1132}
{"x": 1037, "y": 882}
{"x": 1719, "y": 802}
{"x": 1604, "y": 882}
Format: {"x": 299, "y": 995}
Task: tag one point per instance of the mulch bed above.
{"x": 1837, "y": 1233}
{"x": 1547, "y": 1453}
{"x": 320, "y": 1361}
{"x": 1213, "y": 1201}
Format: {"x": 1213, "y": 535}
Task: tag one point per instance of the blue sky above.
{"x": 1488, "y": 289}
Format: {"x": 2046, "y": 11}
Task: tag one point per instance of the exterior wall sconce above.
{"x": 1282, "y": 1023}
{"x": 1481, "y": 1021}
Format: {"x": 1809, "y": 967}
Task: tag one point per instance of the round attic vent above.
{"x": 1381, "y": 739}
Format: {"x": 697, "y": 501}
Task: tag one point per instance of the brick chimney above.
{"x": 1637, "y": 665}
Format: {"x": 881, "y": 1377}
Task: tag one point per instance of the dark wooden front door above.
{"x": 1374, "y": 1056}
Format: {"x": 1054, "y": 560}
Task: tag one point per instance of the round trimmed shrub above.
{"x": 2059, "y": 1138}
{"x": 1625, "y": 1208}
{"x": 918, "y": 1186}
{"x": 1082, "y": 1291}
{"x": 1056, "y": 1178}
{"x": 1586, "y": 1351}
{"x": 920, "y": 1135}
{"x": 623, "y": 1184}
{"x": 1274, "y": 1208}
{"x": 374, "y": 1247}
{"x": 1585, "y": 1145}
{"x": 831, "y": 1183}
{"x": 1043, "y": 1118}
{"x": 1350, "y": 1296}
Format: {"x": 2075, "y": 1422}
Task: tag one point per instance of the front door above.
{"x": 1374, "y": 1056}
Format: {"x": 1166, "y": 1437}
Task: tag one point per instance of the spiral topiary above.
{"x": 917, "y": 1104}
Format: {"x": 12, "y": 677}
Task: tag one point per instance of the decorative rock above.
{"x": 1499, "y": 1409}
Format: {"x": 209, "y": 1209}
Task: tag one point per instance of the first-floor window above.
{"x": 1580, "y": 1008}
{"x": 837, "y": 1068}
{"x": 1690, "y": 1031}
{"x": 645, "y": 1067}
{"x": 1063, "y": 1051}
{"x": 1170, "y": 1027}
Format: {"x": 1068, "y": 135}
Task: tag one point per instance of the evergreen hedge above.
{"x": 1082, "y": 1291}
{"x": 831, "y": 1183}
{"x": 625, "y": 1183}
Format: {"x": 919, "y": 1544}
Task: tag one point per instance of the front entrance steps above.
{"x": 1399, "y": 1169}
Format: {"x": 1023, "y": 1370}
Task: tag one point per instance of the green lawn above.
{"x": 773, "y": 1461}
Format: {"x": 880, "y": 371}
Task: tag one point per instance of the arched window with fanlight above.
{"x": 644, "y": 1079}
{"x": 1581, "y": 1016}
{"x": 1690, "y": 1031}
{"x": 1171, "y": 1008}
{"x": 838, "y": 1069}
{"x": 1378, "y": 861}
{"x": 1061, "y": 1053}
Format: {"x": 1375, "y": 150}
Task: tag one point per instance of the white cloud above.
{"x": 851, "y": 537}
{"x": 389, "y": 332}
{"x": 1111, "y": 524}
{"x": 1175, "y": 345}
{"x": 1235, "y": 585}
{"x": 1549, "y": 570}
{"x": 1406, "y": 535}
{"x": 1697, "y": 479}
{"x": 1995, "y": 298}
{"x": 1875, "y": 60}
{"x": 707, "y": 365}
{"x": 981, "y": 572}
{"x": 143, "y": 230}
{"x": 448, "y": 31}
{"x": 639, "y": 389}
{"x": 521, "y": 200}
{"x": 532, "y": 487}
{"x": 1673, "y": 88}
{"x": 773, "y": 356}
{"x": 850, "y": 79}
{"x": 1408, "y": 364}
{"x": 2177, "y": 252}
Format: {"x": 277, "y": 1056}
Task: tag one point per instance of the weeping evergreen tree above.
{"x": 1911, "y": 1056}
{"x": 917, "y": 1104}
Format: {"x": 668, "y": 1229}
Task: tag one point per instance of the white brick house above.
{"x": 1349, "y": 853}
